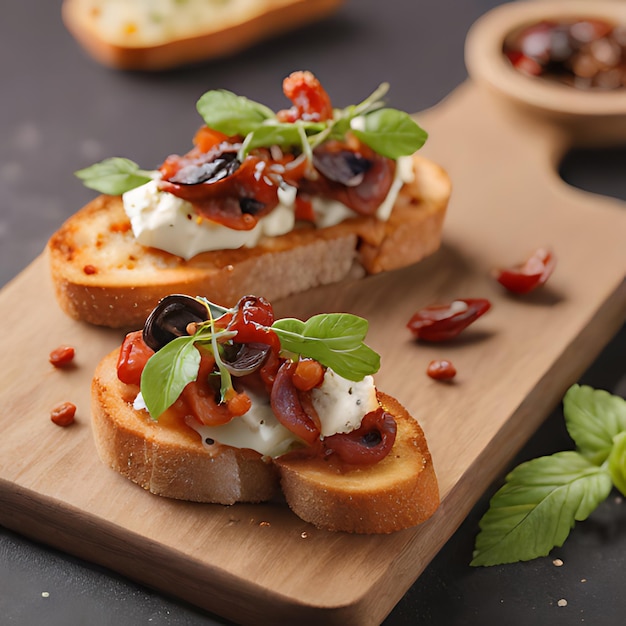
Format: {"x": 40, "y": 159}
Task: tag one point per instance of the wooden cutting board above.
{"x": 257, "y": 564}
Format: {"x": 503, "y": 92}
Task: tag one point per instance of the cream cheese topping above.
{"x": 162, "y": 220}
{"x": 341, "y": 404}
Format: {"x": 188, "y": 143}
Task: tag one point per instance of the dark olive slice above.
{"x": 170, "y": 319}
{"x": 244, "y": 358}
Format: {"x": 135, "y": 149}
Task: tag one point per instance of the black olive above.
{"x": 241, "y": 359}
{"x": 170, "y": 319}
{"x": 207, "y": 171}
{"x": 344, "y": 166}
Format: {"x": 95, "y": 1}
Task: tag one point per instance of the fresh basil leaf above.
{"x": 537, "y": 507}
{"x": 391, "y": 133}
{"x": 167, "y": 372}
{"x": 617, "y": 462}
{"x": 113, "y": 176}
{"x": 231, "y": 114}
{"x": 334, "y": 339}
{"x": 593, "y": 418}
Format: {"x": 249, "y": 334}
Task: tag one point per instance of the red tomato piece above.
{"x": 441, "y": 322}
{"x": 252, "y": 320}
{"x": 134, "y": 355}
{"x": 207, "y": 138}
{"x": 310, "y": 100}
{"x": 530, "y": 274}
{"x": 200, "y": 396}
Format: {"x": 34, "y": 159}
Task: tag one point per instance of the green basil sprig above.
{"x": 543, "y": 498}
{"x": 388, "y": 132}
{"x": 335, "y": 340}
{"x": 231, "y": 114}
{"x": 114, "y": 176}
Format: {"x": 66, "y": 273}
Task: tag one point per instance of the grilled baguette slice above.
{"x": 169, "y": 461}
{"x": 399, "y": 492}
{"x": 103, "y": 276}
{"x": 184, "y": 33}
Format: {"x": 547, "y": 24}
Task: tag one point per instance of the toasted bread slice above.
{"x": 396, "y": 493}
{"x": 103, "y": 276}
{"x": 169, "y": 461}
{"x": 128, "y": 35}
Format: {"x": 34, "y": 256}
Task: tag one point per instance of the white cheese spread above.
{"x": 161, "y": 220}
{"x": 341, "y": 404}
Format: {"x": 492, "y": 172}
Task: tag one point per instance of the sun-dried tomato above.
{"x": 252, "y": 320}
{"x": 530, "y": 274}
{"x": 310, "y": 100}
{"x": 201, "y": 397}
{"x": 440, "y": 322}
{"x": 133, "y": 357}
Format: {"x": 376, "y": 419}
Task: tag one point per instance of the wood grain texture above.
{"x": 260, "y": 563}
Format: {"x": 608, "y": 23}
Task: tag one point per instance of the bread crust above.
{"x": 103, "y": 276}
{"x": 398, "y": 492}
{"x": 128, "y": 52}
{"x": 170, "y": 462}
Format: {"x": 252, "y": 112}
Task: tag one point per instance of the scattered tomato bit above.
{"x": 90, "y": 269}
{"x": 441, "y": 322}
{"x": 61, "y": 356}
{"x": 441, "y": 369}
{"x": 63, "y": 414}
{"x": 527, "y": 276}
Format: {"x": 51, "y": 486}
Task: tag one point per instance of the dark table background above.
{"x": 60, "y": 111}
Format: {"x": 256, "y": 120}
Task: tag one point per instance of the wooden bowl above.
{"x": 590, "y": 118}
